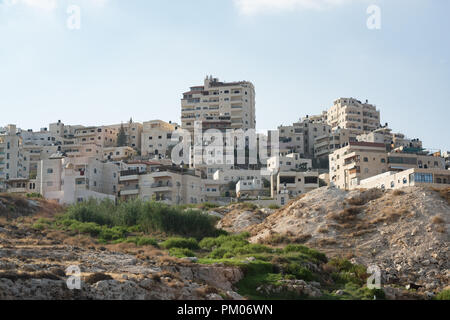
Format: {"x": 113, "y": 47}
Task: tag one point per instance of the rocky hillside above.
{"x": 405, "y": 233}
{"x": 33, "y": 263}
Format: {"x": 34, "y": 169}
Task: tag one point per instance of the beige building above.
{"x": 157, "y": 138}
{"x": 329, "y": 142}
{"x": 349, "y": 113}
{"x": 290, "y": 185}
{"x": 133, "y": 133}
{"x": 290, "y": 162}
{"x": 11, "y": 156}
{"x": 168, "y": 185}
{"x": 249, "y": 188}
{"x": 72, "y": 180}
{"x": 436, "y": 178}
{"x": 118, "y": 153}
{"x": 355, "y": 162}
{"x": 390, "y": 139}
{"x": 219, "y": 105}
{"x": 103, "y": 136}
{"x": 301, "y": 136}
{"x": 361, "y": 160}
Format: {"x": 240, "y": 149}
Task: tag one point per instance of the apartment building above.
{"x": 436, "y": 178}
{"x": 308, "y": 128}
{"x": 249, "y": 188}
{"x": 40, "y": 138}
{"x": 224, "y": 105}
{"x": 290, "y": 162}
{"x": 118, "y": 153}
{"x": 156, "y": 138}
{"x": 133, "y": 133}
{"x": 103, "y": 136}
{"x": 406, "y": 158}
{"x": 446, "y": 156}
{"x": 361, "y": 160}
{"x": 329, "y": 142}
{"x": 72, "y": 180}
{"x": 235, "y": 175}
{"x": 64, "y": 131}
{"x": 289, "y": 185}
{"x": 355, "y": 162}
{"x": 349, "y": 113}
{"x": 11, "y": 156}
{"x": 169, "y": 185}
{"x": 390, "y": 139}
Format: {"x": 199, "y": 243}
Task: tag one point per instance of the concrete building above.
{"x": 355, "y": 162}
{"x": 72, "y": 180}
{"x": 436, "y": 178}
{"x": 157, "y": 138}
{"x": 249, "y": 188}
{"x": 169, "y": 185}
{"x": 446, "y": 156}
{"x": 308, "y": 129}
{"x": 290, "y": 185}
{"x": 219, "y": 104}
{"x": 103, "y": 136}
{"x": 11, "y": 156}
{"x": 118, "y": 153}
{"x": 361, "y": 160}
{"x": 133, "y": 133}
{"x": 329, "y": 142}
{"x": 349, "y": 113}
{"x": 390, "y": 139}
{"x": 290, "y": 162}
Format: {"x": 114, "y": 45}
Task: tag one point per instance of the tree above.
{"x": 121, "y": 137}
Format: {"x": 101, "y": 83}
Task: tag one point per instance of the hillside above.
{"x": 405, "y": 233}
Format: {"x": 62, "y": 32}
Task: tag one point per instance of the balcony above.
{"x": 129, "y": 190}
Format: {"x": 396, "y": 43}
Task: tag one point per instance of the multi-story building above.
{"x": 11, "y": 156}
{"x": 102, "y": 136}
{"x": 436, "y": 178}
{"x": 361, "y": 160}
{"x": 355, "y": 162}
{"x": 329, "y": 142}
{"x": 118, "y": 153}
{"x": 349, "y": 113}
{"x": 224, "y": 105}
{"x": 157, "y": 138}
{"x": 290, "y": 162}
{"x": 390, "y": 139}
{"x": 301, "y": 136}
{"x": 170, "y": 185}
{"x": 133, "y": 133}
{"x": 446, "y": 156}
{"x": 72, "y": 180}
{"x": 249, "y": 188}
{"x": 289, "y": 185}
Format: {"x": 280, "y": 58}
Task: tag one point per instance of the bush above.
{"x": 274, "y": 207}
{"x": 181, "y": 253}
{"x": 149, "y": 216}
{"x": 310, "y": 253}
{"x": 443, "y": 295}
{"x": 190, "y": 243}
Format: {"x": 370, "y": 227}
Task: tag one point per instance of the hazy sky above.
{"x": 135, "y": 58}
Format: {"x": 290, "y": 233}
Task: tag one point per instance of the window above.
{"x": 49, "y": 171}
{"x": 366, "y": 159}
{"x": 423, "y": 177}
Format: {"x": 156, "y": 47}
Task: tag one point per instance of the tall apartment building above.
{"x": 157, "y": 138}
{"x": 308, "y": 129}
{"x": 349, "y": 113}
{"x": 223, "y": 105}
{"x": 11, "y": 157}
{"x": 329, "y": 142}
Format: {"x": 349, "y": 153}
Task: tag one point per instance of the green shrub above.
{"x": 184, "y": 243}
{"x": 144, "y": 241}
{"x": 181, "y": 253}
{"x": 308, "y": 252}
{"x": 149, "y": 216}
{"x": 443, "y": 295}
{"x": 274, "y": 207}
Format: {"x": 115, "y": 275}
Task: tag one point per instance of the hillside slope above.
{"x": 405, "y": 233}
